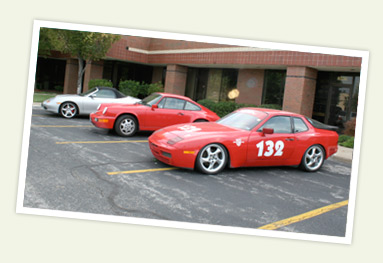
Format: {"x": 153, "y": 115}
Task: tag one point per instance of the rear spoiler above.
{"x": 322, "y": 126}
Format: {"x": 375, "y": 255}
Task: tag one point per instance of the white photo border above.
{"x": 364, "y": 55}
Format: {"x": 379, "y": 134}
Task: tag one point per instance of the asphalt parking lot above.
{"x": 73, "y": 166}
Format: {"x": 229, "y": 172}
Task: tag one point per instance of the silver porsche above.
{"x": 70, "y": 105}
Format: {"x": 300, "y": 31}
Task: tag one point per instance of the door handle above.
{"x": 289, "y": 139}
{"x": 180, "y": 113}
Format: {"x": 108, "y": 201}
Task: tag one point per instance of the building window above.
{"x": 274, "y": 87}
{"x": 336, "y": 98}
{"x": 214, "y": 84}
{"x": 118, "y": 71}
{"x": 228, "y": 83}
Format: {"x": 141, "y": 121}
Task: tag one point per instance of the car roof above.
{"x": 272, "y": 112}
{"x": 174, "y": 96}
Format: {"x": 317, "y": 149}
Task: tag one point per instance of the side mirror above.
{"x": 155, "y": 106}
{"x": 267, "y": 131}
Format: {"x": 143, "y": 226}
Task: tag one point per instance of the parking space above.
{"x": 73, "y": 166}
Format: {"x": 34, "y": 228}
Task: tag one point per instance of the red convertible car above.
{"x": 244, "y": 138}
{"x": 156, "y": 111}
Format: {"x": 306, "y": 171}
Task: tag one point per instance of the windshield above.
{"x": 88, "y": 92}
{"x": 151, "y": 99}
{"x": 244, "y": 119}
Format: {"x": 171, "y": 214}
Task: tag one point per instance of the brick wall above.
{"x": 250, "y": 86}
{"x": 93, "y": 71}
{"x": 300, "y": 90}
{"x": 175, "y": 81}
{"x": 71, "y": 73}
{"x": 264, "y": 58}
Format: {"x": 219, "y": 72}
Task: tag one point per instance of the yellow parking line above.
{"x": 102, "y": 142}
{"x": 62, "y": 126}
{"x": 304, "y": 216}
{"x": 143, "y": 171}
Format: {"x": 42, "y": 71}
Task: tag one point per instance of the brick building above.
{"x": 321, "y": 86}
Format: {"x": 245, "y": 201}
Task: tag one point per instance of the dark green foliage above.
{"x": 85, "y": 46}
{"x": 59, "y": 88}
{"x": 155, "y": 87}
{"x": 139, "y": 90}
{"x": 99, "y": 83}
{"x": 343, "y": 138}
{"x": 346, "y": 141}
{"x": 131, "y": 88}
{"x": 225, "y": 107}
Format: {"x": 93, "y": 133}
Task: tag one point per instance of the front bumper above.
{"x": 101, "y": 121}
{"x": 50, "y": 107}
{"x": 172, "y": 155}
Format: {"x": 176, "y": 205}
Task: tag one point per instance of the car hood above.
{"x": 127, "y": 99}
{"x": 122, "y": 104}
{"x": 193, "y": 130}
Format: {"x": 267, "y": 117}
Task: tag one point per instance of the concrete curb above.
{"x": 344, "y": 154}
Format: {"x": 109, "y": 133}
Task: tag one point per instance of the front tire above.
{"x": 313, "y": 158}
{"x": 68, "y": 110}
{"x": 126, "y": 126}
{"x": 212, "y": 159}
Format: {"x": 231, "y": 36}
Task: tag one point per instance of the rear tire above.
{"x": 313, "y": 158}
{"x": 126, "y": 126}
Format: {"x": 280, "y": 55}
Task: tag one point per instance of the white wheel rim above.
{"x": 314, "y": 157}
{"x": 127, "y": 126}
{"x": 68, "y": 110}
{"x": 212, "y": 158}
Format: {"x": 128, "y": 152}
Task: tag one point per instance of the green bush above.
{"x": 343, "y": 138}
{"x": 223, "y": 108}
{"x": 132, "y": 88}
{"x": 155, "y": 87}
{"x": 59, "y": 88}
{"x": 346, "y": 141}
{"x": 139, "y": 90}
{"x": 99, "y": 83}
{"x": 207, "y": 103}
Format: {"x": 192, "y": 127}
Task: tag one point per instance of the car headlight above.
{"x": 175, "y": 140}
{"x": 104, "y": 111}
{"x": 98, "y": 107}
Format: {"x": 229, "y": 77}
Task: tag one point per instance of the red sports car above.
{"x": 156, "y": 111}
{"x": 244, "y": 138}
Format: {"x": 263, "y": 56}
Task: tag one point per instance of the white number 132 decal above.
{"x": 279, "y": 145}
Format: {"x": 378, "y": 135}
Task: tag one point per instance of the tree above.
{"x": 85, "y": 46}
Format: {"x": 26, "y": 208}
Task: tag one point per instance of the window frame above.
{"x": 186, "y": 102}
{"x": 165, "y": 101}
{"x": 291, "y": 125}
